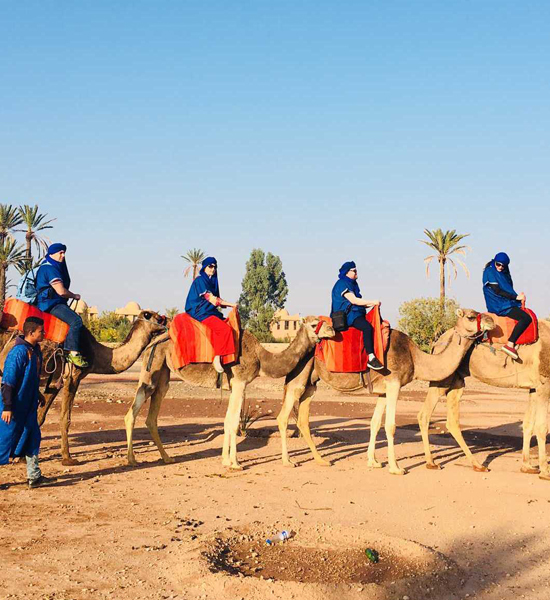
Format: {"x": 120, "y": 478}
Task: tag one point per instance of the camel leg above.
{"x": 142, "y": 394}
{"x": 375, "y": 424}
{"x": 528, "y": 427}
{"x": 392, "y": 395}
{"x": 163, "y": 383}
{"x": 43, "y": 410}
{"x": 424, "y": 418}
{"x": 453, "y": 425}
{"x": 67, "y": 400}
{"x": 541, "y": 429}
{"x": 292, "y": 394}
{"x": 303, "y": 424}
{"x": 231, "y": 424}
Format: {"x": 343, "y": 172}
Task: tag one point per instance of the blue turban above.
{"x": 345, "y": 268}
{"x": 503, "y": 258}
{"x": 57, "y": 247}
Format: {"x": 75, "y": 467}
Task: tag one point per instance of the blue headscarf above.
{"x": 196, "y": 304}
{"x": 352, "y": 284}
{"x": 495, "y": 303}
{"x": 59, "y": 266}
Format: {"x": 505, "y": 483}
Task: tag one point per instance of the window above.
{"x": 295, "y": 325}
{"x": 278, "y": 324}
{"x": 287, "y": 324}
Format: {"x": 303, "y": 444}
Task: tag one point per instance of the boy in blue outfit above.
{"x": 19, "y": 430}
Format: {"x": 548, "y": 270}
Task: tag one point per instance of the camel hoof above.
{"x": 289, "y": 464}
{"x": 374, "y": 464}
{"x": 433, "y": 467}
{"x": 398, "y": 472}
{"x": 530, "y": 470}
{"x": 480, "y": 469}
{"x": 235, "y": 467}
{"x": 323, "y": 463}
{"x": 70, "y": 462}
{"x": 544, "y": 476}
{"x": 168, "y": 460}
{"x": 132, "y": 462}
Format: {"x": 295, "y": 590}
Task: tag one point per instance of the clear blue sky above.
{"x": 321, "y": 131}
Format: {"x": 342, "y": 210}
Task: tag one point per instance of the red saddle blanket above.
{"x": 345, "y": 352}
{"x": 192, "y": 340}
{"x": 505, "y": 325}
{"x": 16, "y": 311}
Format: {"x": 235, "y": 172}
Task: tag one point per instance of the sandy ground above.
{"x": 106, "y": 530}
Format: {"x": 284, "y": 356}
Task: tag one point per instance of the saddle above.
{"x": 505, "y": 325}
{"x": 345, "y": 352}
{"x": 16, "y": 311}
{"x": 192, "y": 340}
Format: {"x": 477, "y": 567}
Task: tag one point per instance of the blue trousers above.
{"x": 63, "y": 312}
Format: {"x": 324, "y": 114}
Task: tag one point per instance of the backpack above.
{"x": 26, "y": 290}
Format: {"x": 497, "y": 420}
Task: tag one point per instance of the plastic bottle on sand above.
{"x": 282, "y": 536}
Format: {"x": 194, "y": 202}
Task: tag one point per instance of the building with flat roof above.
{"x": 284, "y": 325}
{"x": 81, "y": 308}
{"x": 130, "y": 311}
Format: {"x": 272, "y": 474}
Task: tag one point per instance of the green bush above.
{"x": 109, "y": 327}
{"x": 421, "y": 320}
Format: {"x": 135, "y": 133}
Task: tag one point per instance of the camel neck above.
{"x": 282, "y": 363}
{"x": 436, "y": 367}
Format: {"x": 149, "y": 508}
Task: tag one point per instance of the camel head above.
{"x": 471, "y": 323}
{"x": 317, "y": 330}
{"x": 152, "y": 321}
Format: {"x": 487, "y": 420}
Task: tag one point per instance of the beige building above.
{"x": 130, "y": 311}
{"x": 285, "y": 325}
{"x": 81, "y": 307}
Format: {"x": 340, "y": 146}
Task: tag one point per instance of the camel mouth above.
{"x": 341, "y": 559}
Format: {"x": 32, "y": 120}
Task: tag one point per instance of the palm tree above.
{"x": 11, "y": 254}
{"x": 445, "y": 244}
{"x": 34, "y": 222}
{"x": 9, "y": 219}
{"x": 194, "y": 258}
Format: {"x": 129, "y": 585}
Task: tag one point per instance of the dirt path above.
{"x": 109, "y": 531}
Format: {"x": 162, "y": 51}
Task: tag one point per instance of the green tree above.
{"x": 445, "y": 244}
{"x": 194, "y": 258}
{"x": 11, "y": 255}
{"x": 420, "y": 319}
{"x": 34, "y": 222}
{"x": 264, "y": 290}
{"x": 9, "y": 220}
{"x": 109, "y": 327}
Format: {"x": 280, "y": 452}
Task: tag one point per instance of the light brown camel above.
{"x": 102, "y": 359}
{"x": 486, "y": 363}
{"x": 404, "y": 362}
{"x": 254, "y": 361}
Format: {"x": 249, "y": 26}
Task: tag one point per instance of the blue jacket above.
{"x": 21, "y": 437}
{"x": 49, "y": 272}
{"x": 497, "y": 304}
{"x": 342, "y": 286}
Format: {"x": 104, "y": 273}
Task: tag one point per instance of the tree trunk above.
{"x": 2, "y": 287}
{"x": 442, "y": 286}
{"x": 195, "y": 268}
{"x": 28, "y": 253}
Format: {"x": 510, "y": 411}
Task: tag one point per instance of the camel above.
{"x": 404, "y": 362}
{"x": 487, "y": 364}
{"x": 253, "y": 361}
{"x": 102, "y": 359}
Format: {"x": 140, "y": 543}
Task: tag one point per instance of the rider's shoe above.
{"x": 375, "y": 364}
{"x": 78, "y": 360}
{"x": 511, "y": 352}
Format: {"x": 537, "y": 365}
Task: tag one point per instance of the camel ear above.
{"x": 459, "y": 313}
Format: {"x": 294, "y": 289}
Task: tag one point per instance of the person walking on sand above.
{"x": 203, "y": 302}
{"x": 503, "y": 300}
{"x": 346, "y": 297}
{"x": 19, "y": 400}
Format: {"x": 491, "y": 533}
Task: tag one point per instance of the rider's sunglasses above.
{"x": 354, "y": 270}
{"x": 497, "y": 264}
{"x": 212, "y": 267}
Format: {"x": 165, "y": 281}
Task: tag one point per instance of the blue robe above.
{"x": 341, "y": 287}
{"x": 21, "y": 437}
{"x": 498, "y": 304}
{"x": 49, "y": 271}
{"x": 196, "y": 305}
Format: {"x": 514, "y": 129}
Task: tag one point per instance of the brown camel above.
{"x": 486, "y": 363}
{"x": 404, "y": 362}
{"x": 253, "y": 361}
{"x": 102, "y": 360}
